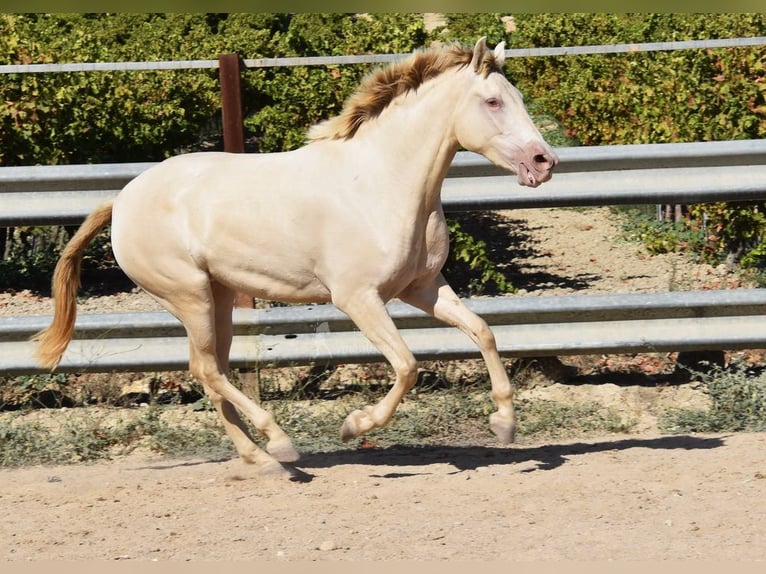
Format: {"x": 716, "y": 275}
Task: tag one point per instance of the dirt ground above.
{"x": 611, "y": 498}
{"x": 638, "y": 496}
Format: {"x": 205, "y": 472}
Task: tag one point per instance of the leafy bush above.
{"x": 646, "y": 97}
{"x": 467, "y": 28}
{"x": 659, "y": 236}
{"x": 84, "y": 117}
{"x": 469, "y": 268}
{"x": 733, "y": 230}
{"x": 293, "y": 98}
{"x": 737, "y": 403}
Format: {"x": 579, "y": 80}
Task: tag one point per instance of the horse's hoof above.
{"x": 357, "y": 423}
{"x": 504, "y": 428}
{"x": 273, "y": 469}
{"x": 282, "y": 450}
{"x": 348, "y": 430}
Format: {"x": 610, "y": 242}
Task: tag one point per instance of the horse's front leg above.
{"x": 438, "y": 299}
{"x": 369, "y": 313}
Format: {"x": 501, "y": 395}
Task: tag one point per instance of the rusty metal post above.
{"x": 231, "y": 103}
{"x": 233, "y": 133}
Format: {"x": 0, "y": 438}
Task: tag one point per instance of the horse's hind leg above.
{"x": 279, "y": 447}
{"x": 205, "y": 311}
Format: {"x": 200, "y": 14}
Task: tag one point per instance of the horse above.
{"x": 353, "y": 218}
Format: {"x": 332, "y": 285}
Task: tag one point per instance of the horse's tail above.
{"x": 53, "y": 340}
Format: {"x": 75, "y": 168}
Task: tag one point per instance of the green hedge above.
{"x": 84, "y": 117}
{"x": 89, "y": 117}
{"x": 646, "y": 97}
{"x": 690, "y": 95}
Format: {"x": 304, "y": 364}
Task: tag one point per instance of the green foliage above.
{"x": 468, "y": 258}
{"x": 147, "y": 115}
{"x": 294, "y": 98}
{"x": 81, "y": 435}
{"x": 646, "y": 97}
{"x": 661, "y": 236}
{"x": 737, "y": 403}
{"x": 553, "y": 419}
{"x": 31, "y": 255}
{"x": 733, "y": 229}
{"x": 83, "y": 117}
{"x": 714, "y": 232}
{"x": 466, "y": 28}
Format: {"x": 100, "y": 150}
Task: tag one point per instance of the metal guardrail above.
{"x": 523, "y": 326}
{"x": 594, "y": 175}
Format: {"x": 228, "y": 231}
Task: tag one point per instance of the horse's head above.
{"x": 490, "y": 119}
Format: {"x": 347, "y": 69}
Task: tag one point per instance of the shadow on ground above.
{"x": 509, "y": 242}
{"x": 463, "y": 458}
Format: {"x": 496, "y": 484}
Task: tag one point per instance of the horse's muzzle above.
{"x": 539, "y": 168}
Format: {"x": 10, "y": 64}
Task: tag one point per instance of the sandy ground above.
{"x": 612, "y": 498}
{"x": 642, "y": 496}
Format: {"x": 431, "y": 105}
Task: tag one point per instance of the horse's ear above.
{"x": 500, "y": 54}
{"x": 478, "y": 53}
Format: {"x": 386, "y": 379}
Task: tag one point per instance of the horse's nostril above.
{"x": 543, "y": 161}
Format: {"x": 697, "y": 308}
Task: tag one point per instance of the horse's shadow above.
{"x": 463, "y": 458}
{"x": 413, "y": 460}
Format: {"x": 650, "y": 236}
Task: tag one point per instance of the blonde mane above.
{"x": 379, "y": 88}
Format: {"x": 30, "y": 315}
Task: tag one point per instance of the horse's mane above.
{"x": 381, "y": 86}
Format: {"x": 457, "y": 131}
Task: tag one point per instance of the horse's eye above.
{"x": 493, "y": 103}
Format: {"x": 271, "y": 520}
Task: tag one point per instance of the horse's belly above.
{"x": 270, "y": 282}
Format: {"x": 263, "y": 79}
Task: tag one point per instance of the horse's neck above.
{"x": 416, "y": 137}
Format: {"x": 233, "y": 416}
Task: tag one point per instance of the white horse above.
{"x": 354, "y": 218}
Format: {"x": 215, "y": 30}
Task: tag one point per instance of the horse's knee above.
{"x": 203, "y": 365}
{"x": 487, "y": 338}
{"x": 482, "y": 334}
{"x": 407, "y": 371}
